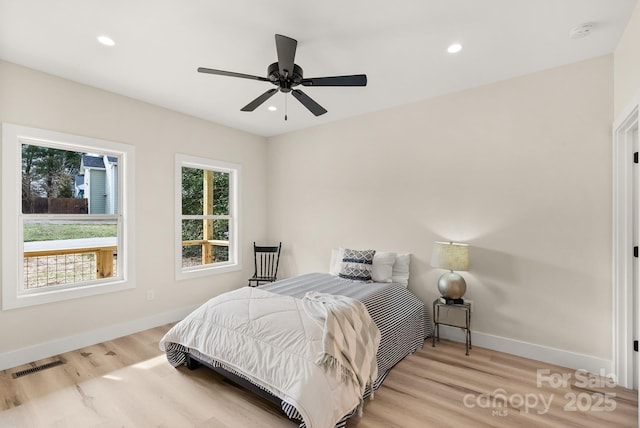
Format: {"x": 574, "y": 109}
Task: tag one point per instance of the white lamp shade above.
{"x": 450, "y": 255}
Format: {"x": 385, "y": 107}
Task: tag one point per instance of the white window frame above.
{"x": 235, "y": 258}
{"x": 13, "y": 293}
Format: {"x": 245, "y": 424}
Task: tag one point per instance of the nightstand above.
{"x": 455, "y": 315}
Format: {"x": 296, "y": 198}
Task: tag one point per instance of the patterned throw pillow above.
{"x": 357, "y": 264}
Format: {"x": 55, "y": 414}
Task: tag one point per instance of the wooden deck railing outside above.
{"x": 207, "y": 247}
{"x": 104, "y": 253}
{"x": 104, "y": 257}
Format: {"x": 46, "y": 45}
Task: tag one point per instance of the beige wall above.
{"x": 34, "y": 99}
{"x": 520, "y": 169}
{"x": 627, "y": 64}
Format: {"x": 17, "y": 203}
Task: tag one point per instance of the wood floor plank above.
{"x": 127, "y": 382}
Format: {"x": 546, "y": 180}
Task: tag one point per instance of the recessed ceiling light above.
{"x": 106, "y": 40}
{"x": 454, "y": 48}
{"x": 272, "y": 108}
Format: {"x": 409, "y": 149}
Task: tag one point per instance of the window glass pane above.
{"x": 192, "y": 191}
{"x": 57, "y": 181}
{"x": 191, "y": 255}
{"x": 204, "y": 192}
{"x": 221, "y": 253}
{"x": 67, "y": 252}
{"x": 221, "y": 238}
{"x": 198, "y": 250}
{"x": 192, "y": 230}
{"x": 221, "y": 193}
{"x": 192, "y": 242}
{"x": 58, "y": 270}
{"x": 221, "y": 230}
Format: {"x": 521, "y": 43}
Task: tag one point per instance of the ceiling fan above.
{"x": 286, "y": 76}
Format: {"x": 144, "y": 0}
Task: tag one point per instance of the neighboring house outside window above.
{"x": 98, "y": 181}
{"x": 68, "y": 246}
{"x": 207, "y": 227}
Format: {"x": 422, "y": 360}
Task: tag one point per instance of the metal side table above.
{"x": 454, "y": 315}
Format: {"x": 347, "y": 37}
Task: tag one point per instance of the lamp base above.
{"x": 448, "y": 301}
{"x": 451, "y": 285}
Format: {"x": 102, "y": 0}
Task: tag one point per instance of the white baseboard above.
{"x": 65, "y": 344}
{"x": 545, "y": 354}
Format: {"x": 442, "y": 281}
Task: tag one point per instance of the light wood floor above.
{"x": 128, "y": 383}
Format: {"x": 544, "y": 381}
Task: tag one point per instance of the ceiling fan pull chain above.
{"x": 285, "y": 106}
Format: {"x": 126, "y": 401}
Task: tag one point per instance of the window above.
{"x": 207, "y": 230}
{"x": 67, "y": 201}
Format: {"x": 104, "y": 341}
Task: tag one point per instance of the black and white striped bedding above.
{"x": 402, "y": 318}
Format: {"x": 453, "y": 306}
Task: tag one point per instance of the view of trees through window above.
{"x": 47, "y": 173}
{"x": 205, "y": 216}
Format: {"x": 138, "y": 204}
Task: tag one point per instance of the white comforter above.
{"x": 271, "y": 340}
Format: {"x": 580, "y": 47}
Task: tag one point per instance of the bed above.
{"x": 259, "y": 338}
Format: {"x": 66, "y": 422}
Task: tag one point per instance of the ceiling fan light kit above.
{"x": 286, "y": 75}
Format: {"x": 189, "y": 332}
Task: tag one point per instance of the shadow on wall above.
{"x": 493, "y": 271}
{"x": 288, "y": 266}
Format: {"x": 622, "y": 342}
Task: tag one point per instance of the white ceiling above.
{"x": 400, "y": 45}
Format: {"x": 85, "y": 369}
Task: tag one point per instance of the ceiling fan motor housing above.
{"x": 285, "y": 83}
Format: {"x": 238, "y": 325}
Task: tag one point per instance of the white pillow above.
{"x": 383, "y": 267}
{"x": 400, "y": 272}
{"x": 337, "y": 254}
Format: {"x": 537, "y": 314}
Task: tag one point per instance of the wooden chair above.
{"x": 266, "y": 261}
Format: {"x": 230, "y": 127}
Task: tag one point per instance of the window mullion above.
{"x": 205, "y": 217}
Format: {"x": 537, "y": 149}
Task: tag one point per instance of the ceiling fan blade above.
{"x": 262, "y": 98}
{"x": 231, "y": 74}
{"x": 306, "y": 101}
{"x": 353, "y": 80}
{"x": 286, "y": 48}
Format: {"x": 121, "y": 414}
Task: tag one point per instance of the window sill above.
{"x": 202, "y": 271}
{"x": 14, "y": 301}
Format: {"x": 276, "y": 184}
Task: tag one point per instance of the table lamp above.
{"x": 453, "y": 257}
